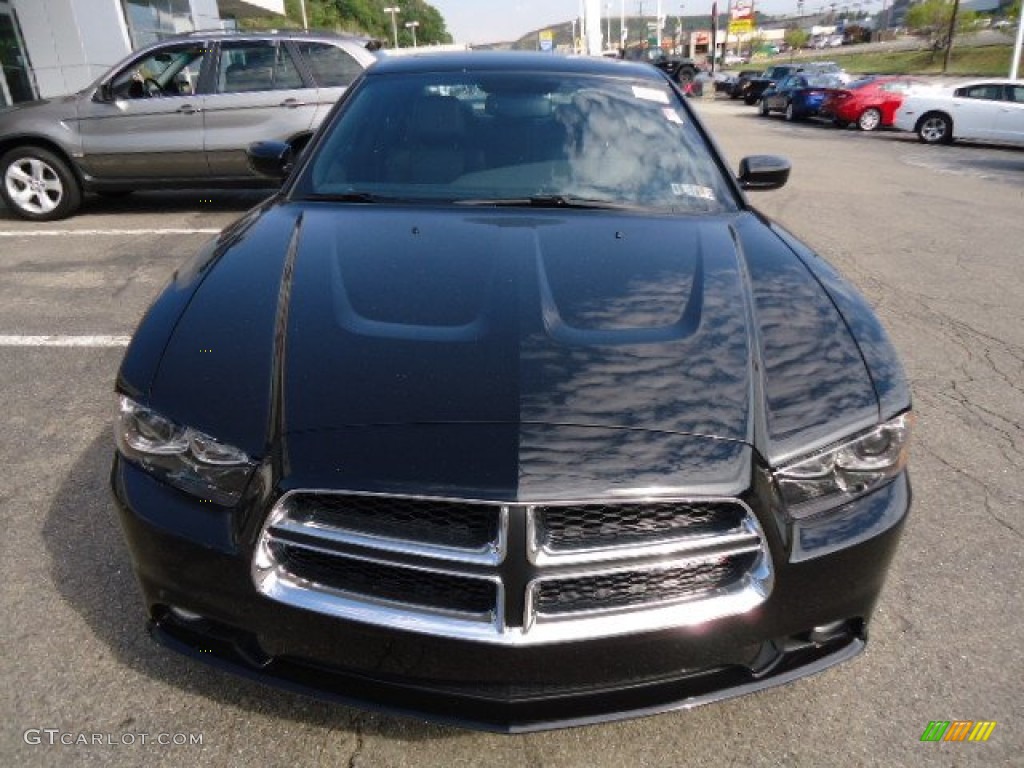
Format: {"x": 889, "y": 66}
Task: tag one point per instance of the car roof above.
{"x": 221, "y": 35}
{"x": 515, "y": 61}
{"x": 992, "y": 80}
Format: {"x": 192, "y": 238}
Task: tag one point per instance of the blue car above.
{"x": 798, "y": 96}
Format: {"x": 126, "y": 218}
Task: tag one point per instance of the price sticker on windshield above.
{"x": 650, "y": 94}
{"x": 693, "y": 190}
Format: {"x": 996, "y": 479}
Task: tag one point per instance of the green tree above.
{"x": 366, "y": 17}
{"x": 796, "y": 39}
{"x": 930, "y": 19}
{"x": 431, "y": 29}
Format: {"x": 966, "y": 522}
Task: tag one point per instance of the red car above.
{"x": 870, "y": 103}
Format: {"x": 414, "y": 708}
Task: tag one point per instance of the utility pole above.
{"x": 950, "y": 35}
{"x": 394, "y": 9}
{"x": 725, "y": 39}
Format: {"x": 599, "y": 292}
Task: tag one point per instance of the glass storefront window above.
{"x": 16, "y": 83}
{"x": 152, "y": 20}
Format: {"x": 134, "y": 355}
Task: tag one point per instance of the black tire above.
{"x": 750, "y": 99}
{"x": 935, "y": 128}
{"x": 762, "y": 109}
{"x": 870, "y": 119}
{"x": 685, "y": 75}
{"x": 37, "y": 184}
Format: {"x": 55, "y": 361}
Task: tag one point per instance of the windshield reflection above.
{"x": 514, "y": 138}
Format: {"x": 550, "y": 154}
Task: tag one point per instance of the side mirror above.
{"x": 273, "y": 159}
{"x": 762, "y": 172}
{"x": 106, "y": 92}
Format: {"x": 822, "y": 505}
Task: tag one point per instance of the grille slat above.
{"x": 617, "y": 590}
{"x": 444, "y": 567}
{"x": 432, "y": 590}
{"x": 439, "y": 523}
{"x": 596, "y": 526}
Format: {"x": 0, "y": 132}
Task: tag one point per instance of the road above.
{"x": 934, "y": 237}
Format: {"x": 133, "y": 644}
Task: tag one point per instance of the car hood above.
{"x": 57, "y": 108}
{"x": 322, "y": 318}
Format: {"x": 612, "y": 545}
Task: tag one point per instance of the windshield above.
{"x": 861, "y": 83}
{"x": 824, "y": 81}
{"x": 516, "y": 138}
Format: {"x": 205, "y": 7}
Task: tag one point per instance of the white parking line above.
{"x": 64, "y": 341}
{"x": 68, "y": 232}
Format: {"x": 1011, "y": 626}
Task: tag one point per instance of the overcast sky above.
{"x": 490, "y": 21}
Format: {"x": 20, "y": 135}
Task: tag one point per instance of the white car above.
{"x": 987, "y": 110}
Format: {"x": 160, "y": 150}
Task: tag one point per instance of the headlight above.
{"x": 843, "y": 472}
{"x": 181, "y": 456}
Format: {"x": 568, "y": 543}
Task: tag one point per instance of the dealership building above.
{"x": 52, "y": 47}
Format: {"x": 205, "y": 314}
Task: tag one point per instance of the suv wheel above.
{"x": 36, "y": 184}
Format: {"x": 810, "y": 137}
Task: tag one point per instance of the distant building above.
{"x": 52, "y": 47}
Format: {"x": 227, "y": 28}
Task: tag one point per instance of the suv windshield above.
{"x": 512, "y": 139}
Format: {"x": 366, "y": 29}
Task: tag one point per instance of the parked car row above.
{"x": 985, "y": 110}
{"x": 750, "y": 84}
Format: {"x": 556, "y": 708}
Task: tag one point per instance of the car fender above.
{"x": 52, "y": 124}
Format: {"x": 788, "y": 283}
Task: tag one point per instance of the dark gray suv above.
{"x": 179, "y": 113}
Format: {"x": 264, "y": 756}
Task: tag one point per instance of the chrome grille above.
{"x": 581, "y": 569}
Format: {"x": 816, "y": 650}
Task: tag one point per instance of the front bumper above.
{"x": 193, "y": 563}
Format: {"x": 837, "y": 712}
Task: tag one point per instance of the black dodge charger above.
{"x": 510, "y": 411}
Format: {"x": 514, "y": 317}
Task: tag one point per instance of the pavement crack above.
{"x": 1006, "y": 524}
{"x": 357, "y": 752}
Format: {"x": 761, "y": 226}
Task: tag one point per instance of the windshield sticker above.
{"x": 650, "y": 94}
{"x": 693, "y": 190}
{"x": 672, "y": 116}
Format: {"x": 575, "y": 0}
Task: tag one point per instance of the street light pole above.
{"x": 412, "y": 26}
{"x": 1017, "y": 47}
{"x": 679, "y": 28}
{"x": 622, "y": 25}
{"x": 394, "y": 9}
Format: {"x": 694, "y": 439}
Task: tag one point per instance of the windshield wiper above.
{"x": 349, "y": 197}
{"x": 549, "y": 201}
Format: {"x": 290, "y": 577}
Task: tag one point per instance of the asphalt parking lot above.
{"x": 934, "y": 236}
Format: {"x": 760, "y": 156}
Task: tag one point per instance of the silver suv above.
{"x": 179, "y": 113}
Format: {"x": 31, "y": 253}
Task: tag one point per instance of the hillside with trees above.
{"x": 367, "y": 17}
